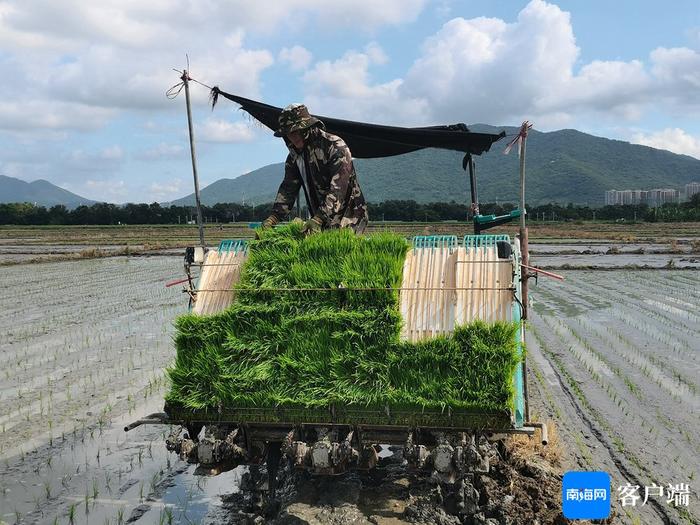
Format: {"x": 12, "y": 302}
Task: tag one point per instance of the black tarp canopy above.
{"x": 373, "y": 140}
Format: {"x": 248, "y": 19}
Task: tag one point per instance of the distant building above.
{"x": 655, "y": 197}
{"x": 617, "y": 197}
{"x": 662, "y": 196}
{"x": 691, "y": 189}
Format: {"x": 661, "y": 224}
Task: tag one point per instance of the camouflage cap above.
{"x": 293, "y": 118}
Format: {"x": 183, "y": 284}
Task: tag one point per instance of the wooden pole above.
{"x": 524, "y": 275}
{"x": 185, "y": 79}
{"x": 523, "y": 223}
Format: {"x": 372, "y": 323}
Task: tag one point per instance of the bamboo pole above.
{"x": 185, "y": 79}
{"x": 523, "y": 224}
{"x": 524, "y": 276}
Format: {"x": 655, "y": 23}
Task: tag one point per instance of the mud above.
{"x": 619, "y": 261}
{"x": 677, "y": 246}
{"x": 11, "y": 255}
{"x": 515, "y": 491}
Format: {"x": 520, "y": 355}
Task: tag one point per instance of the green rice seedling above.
{"x": 316, "y": 323}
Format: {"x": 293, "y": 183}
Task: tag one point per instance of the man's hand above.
{"x": 268, "y": 223}
{"x": 313, "y": 225}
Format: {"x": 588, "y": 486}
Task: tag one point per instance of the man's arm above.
{"x": 288, "y": 190}
{"x": 340, "y": 168}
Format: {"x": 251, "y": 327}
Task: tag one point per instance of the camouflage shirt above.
{"x": 326, "y": 171}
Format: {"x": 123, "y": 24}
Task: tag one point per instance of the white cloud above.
{"x": 298, "y": 58}
{"x": 51, "y": 115}
{"x": 671, "y": 139}
{"x": 116, "y": 78}
{"x": 79, "y": 165}
{"x": 488, "y": 70}
{"x": 115, "y": 55}
{"x": 120, "y": 53}
{"x": 159, "y": 24}
{"x": 61, "y": 165}
{"x": 343, "y": 88}
{"x": 215, "y": 130}
{"x": 166, "y": 191}
{"x": 478, "y": 70}
{"x": 19, "y": 170}
{"x": 103, "y": 190}
{"x": 376, "y": 54}
{"x": 162, "y": 151}
{"x": 297, "y": 15}
{"x": 82, "y": 159}
{"x": 345, "y": 77}
{"x": 677, "y": 73}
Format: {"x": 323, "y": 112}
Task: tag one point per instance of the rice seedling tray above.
{"x": 449, "y": 418}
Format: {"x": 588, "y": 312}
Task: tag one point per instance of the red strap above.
{"x": 522, "y": 135}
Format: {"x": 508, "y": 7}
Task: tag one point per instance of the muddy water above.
{"x": 615, "y": 261}
{"x": 84, "y": 345}
{"x": 13, "y": 254}
{"x": 617, "y": 353}
{"x": 606, "y": 247}
{"x": 83, "y": 350}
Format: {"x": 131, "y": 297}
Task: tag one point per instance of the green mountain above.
{"x": 257, "y": 187}
{"x": 41, "y": 192}
{"x": 562, "y": 166}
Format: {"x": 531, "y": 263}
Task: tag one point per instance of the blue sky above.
{"x": 84, "y": 84}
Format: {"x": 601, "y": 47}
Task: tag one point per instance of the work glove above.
{"x": 268, "y": 223}
{"x": 313, "y": 225}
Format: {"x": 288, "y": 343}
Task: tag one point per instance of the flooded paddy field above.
{"x": 83, "y": 350}
{"x": 616, "y": 357}
{"x": 614, "y": 360}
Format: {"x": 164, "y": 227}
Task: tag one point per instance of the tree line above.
{"x": 392, "y": 210}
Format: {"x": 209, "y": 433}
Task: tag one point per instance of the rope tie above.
{"x": 522, "y": 135}
{"x": 174, "y": 91}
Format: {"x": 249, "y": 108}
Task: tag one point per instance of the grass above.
{"x": 337, "y": 343}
